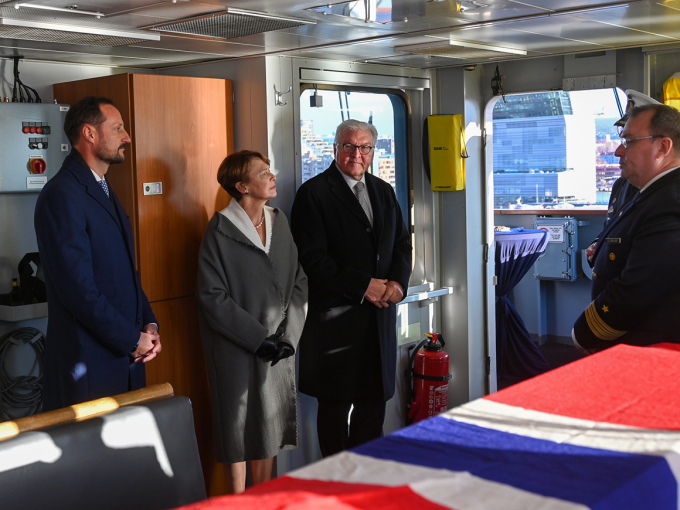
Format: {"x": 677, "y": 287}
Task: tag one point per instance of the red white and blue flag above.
{"x": 601, "y": 433}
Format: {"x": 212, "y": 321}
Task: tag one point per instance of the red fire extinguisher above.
{"x": 429, "y": 375}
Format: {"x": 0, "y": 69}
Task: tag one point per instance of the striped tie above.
{"x": 360, "y": 188}
{"x": 105, "y": 187}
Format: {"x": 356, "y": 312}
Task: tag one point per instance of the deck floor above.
{"x": 557, "y": 355}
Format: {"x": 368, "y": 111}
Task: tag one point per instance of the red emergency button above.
{"x": 38, "y": 166}
{"x": 26, "y": 129}
{"x": 38, "y": 130}
{"x": 32, "y": 129}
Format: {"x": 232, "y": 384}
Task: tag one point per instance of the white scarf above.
{"x": 235, "y": 213}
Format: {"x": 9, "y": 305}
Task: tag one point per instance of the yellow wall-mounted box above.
{"x": 671, "y": 91}
{"x": 447, "y": 152}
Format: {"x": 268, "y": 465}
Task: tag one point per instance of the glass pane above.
{"x": 555, "y": 150}
{"x": 318, "y": 129}
{"x": 377, "y": 11}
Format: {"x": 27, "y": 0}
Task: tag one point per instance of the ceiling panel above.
{"x": 286, "y": 39}
{"x": 536, "y": 26}
{"x": 8, "y": 50}
{"x": 126, "y": 56}
{"x": 418, "y": 61}
{"x": 648, "y": 17}
{"x": 359, "y": 52}
{"x": 218, "y": 49}
{"x": 500, "y": 9}
{"x": 578, "y": 28}
{"x": 553, "y": 5}
{"x": 510, "y": 36}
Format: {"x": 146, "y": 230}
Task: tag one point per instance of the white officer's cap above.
{"x": 635, "y": 98}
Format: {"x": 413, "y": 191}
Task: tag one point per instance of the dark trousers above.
{"x": 365, "y": 423}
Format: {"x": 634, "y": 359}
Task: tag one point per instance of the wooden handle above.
{"x": 85, "y": 410}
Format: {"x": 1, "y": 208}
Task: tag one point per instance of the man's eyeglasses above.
{"x": 627, "y": 141}
{"x": 363, "y": 149}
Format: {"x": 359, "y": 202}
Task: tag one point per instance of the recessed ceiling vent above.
{"x": 232, "y": 23}
{"x": 56, "y": 33}
{"x": 459, "y": 49}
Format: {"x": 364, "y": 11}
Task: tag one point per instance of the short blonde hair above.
{"x": 236, "y": 168}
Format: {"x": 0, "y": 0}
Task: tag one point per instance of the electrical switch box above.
{"x": 558, "y": 261}
{"x": 33, "y": 145}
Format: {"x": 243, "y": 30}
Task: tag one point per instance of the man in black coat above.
{"x": 636, "y": 276}
{"x": 355, "y": 249}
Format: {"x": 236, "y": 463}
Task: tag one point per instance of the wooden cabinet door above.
{"x": 182, "y": 130}
{"x": 182, "y": 364}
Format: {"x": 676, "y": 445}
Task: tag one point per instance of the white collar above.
{"x": 96, "y": 175}
{"x": 235, "y": 213}
{"x": 351, "y": 182}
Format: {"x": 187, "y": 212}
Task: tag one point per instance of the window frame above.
{"x": 403, "y": 176}
{"x": 489, "y": 128}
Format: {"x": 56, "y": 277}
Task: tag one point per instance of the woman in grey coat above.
{"x": 252, "y": 296}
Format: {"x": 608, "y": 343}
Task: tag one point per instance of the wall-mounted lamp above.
{"x": 71, "y": 10}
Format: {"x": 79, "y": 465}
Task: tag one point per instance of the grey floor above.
{"x": 557, "y": 355}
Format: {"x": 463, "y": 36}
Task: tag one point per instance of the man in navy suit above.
{"x": 636, "y": 278}
{"x": 101, "y": 329}
{"x": 355, "y": 249}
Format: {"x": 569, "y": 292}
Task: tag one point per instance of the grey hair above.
{"x": 354, "y": 126}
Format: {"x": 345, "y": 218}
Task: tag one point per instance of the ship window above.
{"x": 555, "y": 150}
{"x": 386, "y": 111}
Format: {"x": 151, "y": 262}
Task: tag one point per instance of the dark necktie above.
{"x": 360, "y": 188}
{"x": 105, "y": 187}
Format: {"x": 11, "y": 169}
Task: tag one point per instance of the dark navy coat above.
{"x": 96, "y": 304}
{"x": 636, "y": 276}
{"x": 348, "y": 346}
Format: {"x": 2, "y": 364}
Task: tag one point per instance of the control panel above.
{"x": 32, "y": 145}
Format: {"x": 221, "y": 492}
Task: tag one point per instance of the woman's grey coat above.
{"x": 244, "y": 296}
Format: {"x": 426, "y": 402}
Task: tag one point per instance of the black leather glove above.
{"x": 267, "y": 350}
{"x": 284, "y": 350}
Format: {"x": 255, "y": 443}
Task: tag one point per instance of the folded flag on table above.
{"x": 600, "y": 433}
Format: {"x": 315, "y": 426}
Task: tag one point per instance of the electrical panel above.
{"x": 558, "y": 261}
{"x": 32, "y": 145}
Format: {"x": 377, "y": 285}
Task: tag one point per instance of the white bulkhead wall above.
{"x": 463, "y": 233}
{"x": 459, "y": 260}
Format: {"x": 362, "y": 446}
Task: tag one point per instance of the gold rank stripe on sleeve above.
{"x": 600, "y": 328}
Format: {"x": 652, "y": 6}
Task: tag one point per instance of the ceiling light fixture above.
{"x": 459, "y": 49}
{"x": 71, "y": 10}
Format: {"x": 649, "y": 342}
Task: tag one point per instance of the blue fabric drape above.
{"x": 516, "y": 354}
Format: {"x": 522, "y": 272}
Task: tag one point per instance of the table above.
{"x": 517, "y": 357}
{"x": 600, "y": 433}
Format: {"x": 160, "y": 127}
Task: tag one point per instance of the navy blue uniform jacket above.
{"x": 348, "y": 347}
{"x": 636, "y": 276}
{"x": 96, "y": 305}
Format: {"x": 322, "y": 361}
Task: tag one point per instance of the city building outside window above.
{"x": 555, "y": 150}
{"x": 387, "y": 112}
